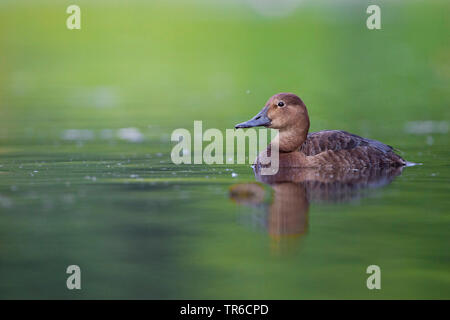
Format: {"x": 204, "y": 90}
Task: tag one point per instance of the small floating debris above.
{"x": 426, "y": 127}
{"x": 234, "y": 174}
{"x": 77, "y": 135}
{"x": 130, "y": 134}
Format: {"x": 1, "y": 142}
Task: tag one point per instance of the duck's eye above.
{"x": 281, "y": 104}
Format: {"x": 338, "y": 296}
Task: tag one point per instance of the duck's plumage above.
{"x": 350, "y": 149}
{"x": 335, "y": 140}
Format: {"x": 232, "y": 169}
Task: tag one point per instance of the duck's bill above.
{"x": 260, "y": 120}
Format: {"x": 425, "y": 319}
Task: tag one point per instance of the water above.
{"x": 140, "y": 227}
{"x": 86, "y": 176}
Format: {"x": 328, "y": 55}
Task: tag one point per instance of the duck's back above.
{"x": 343, "y": 148}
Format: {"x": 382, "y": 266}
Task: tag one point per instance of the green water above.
{"x": 75, "y": 188}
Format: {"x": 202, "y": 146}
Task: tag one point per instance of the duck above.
{"x": 298, "y": 147}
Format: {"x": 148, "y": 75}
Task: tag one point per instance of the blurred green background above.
{"x": 85, "y": 123}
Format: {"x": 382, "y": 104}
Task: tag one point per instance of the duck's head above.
{"x": 283, "y": 111}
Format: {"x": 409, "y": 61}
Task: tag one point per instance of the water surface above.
{"x": 86, "y": 176}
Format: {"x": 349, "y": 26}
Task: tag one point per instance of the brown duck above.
{"x": 328, "y": 148}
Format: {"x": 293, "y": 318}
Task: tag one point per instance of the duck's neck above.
{"x": 291, "y": 139}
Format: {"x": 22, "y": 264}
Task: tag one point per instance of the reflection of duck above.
{"x": 287, "y": 113}
{"x": 295, "y": 188}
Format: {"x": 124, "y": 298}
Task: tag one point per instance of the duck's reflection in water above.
{"x": 294, "y": 189}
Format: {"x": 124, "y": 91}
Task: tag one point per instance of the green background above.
{"x": 141, "y": 227}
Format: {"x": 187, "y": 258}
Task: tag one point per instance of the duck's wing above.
{"x": 336, "y": 140}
